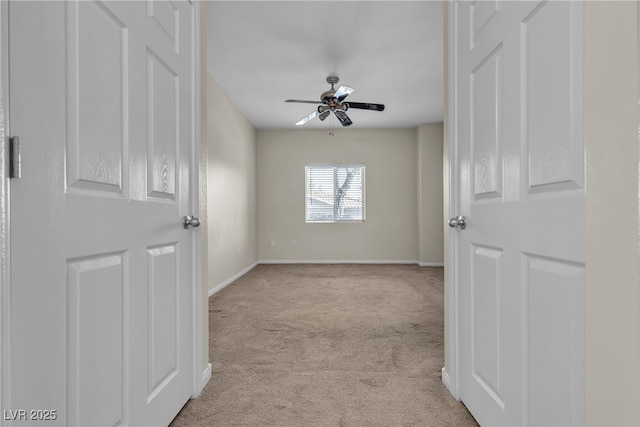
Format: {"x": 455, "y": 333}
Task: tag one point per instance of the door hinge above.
{"x": 15, "y": 167}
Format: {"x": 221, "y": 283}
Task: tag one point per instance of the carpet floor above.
{"x": 327, "y": 345}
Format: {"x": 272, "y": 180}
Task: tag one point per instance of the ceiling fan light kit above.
{"x": 332, "y": 101}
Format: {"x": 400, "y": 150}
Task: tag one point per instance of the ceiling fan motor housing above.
{"x": 332, "y": 107}
{"x": 327, "y": 96}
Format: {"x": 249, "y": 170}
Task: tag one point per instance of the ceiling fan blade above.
{"x": 302, "y": 101}
{"x": 324, "y": 115}
{"x": 343, "y": 92}
{"x": 307, "y": 118}
{"x": 344, "y": 119}
{"x": 366, "y": 106}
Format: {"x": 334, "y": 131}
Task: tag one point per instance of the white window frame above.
{"x": 335, "y": 167}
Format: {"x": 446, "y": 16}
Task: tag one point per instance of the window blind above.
{"x": 334, "y": 193}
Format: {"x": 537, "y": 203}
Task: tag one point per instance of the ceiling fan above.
{"x": 333, "y": 100}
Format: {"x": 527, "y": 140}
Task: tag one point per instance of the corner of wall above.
{"x": 430, "y": 193}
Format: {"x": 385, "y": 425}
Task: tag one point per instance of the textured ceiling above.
{"x": 263, "y": 52}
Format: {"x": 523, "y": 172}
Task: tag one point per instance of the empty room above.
{"x": 319, "y": 213}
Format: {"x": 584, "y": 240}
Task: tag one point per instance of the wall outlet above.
{"x": 294, "y": 243}
{"x": 238, "y": 251}
{"x": 273, "y": 243}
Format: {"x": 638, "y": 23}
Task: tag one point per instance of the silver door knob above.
{"x": 190, "y": 221}
{"x": 458, "y": 221}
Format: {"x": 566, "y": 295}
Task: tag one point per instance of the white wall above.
{"x": 430, "y": 194}
{"x": 231, "y": 188}
{"x": 611, "y": 140}
{"x": 390, "y": 232}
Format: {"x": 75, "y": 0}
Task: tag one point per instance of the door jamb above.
{"x": 200, "y": 377}
{"x": 450, "y": 373}
{"x": 4, "y": 206}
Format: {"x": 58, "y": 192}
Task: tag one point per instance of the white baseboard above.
{"x": 231, "y": 279}
{"x": 206, "y": 376}
{"x": 431, "y": 264}
{"x": 446, "y": 380}
{"x": 202, "y": 381}
{"x": 236, "y": 276}
{"x": 335, "y": 261}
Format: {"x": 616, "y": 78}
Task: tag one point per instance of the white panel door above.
{"x": 102, "y": 280}
{"x": 519, "y": 165}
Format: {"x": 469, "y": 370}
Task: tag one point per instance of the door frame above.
{"x": 200, "y": 377}
{"x": 450, "y": 372}
{"x": 4, "y": 205}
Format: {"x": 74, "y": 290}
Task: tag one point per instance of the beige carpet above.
{"x": 327, "y": 345}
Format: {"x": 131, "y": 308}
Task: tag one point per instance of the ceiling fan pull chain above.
{"x": 331, "y": 125}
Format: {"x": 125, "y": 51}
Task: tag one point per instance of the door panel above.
{"x": 551, "y": 65}
{"x": 164, "y": 305}
{"x": 486, "y": 340}
{"x": 485, "y": 122}
{"x": 520, "y": 166}
{"x": 163, "y": 126}
{"x": 97, "y": 334}
{"x": 555, "y": 340}
{"x": 97, "y": 78}
{"x": 101, "y": 96}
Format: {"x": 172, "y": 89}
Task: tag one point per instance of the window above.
{"x": 334, "y": 193}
